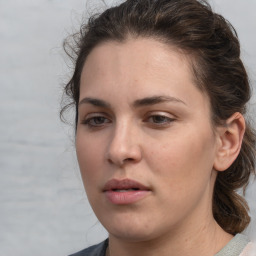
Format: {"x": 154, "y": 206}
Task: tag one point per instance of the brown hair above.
{"x": 212, "y": 43}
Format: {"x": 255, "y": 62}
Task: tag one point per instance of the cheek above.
{"x": 89, "y": 155}
{"x": 182, "y": 173}
{"x": 185, "y": 160}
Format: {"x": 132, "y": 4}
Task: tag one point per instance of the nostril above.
{"x": 123, "y": 155}
{"x": 128, "y": 159}
{"x": 121, "y": 162}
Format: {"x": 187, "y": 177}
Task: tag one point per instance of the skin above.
{"x": 170, "y": 146}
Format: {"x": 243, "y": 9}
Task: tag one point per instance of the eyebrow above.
{"x": 156, "y": 100}
{"x": 137, "y": 103}
{"x": 95, "y": 102}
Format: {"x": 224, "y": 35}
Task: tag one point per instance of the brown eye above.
{"x": 160, "y": 119}
{"x": 96, "y": 121}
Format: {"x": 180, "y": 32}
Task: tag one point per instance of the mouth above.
{"x": 126, "y": 191}
{"x": 124, "y": 186}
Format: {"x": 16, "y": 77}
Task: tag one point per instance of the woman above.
{"x": 162, "y": 143}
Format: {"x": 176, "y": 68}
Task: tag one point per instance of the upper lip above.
{"x": 115, "y": 184}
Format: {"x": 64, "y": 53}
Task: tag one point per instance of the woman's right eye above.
{"x": 96, "y": 121}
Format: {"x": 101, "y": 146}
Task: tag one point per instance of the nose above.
{"x": 124, "y": 146}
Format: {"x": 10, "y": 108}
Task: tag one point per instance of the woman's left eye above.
{"x": 160, "y": 120}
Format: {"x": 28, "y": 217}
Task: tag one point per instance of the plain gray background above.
{"x": 43, "y": 207}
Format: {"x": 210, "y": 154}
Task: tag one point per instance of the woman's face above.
{"x": 145, "y": 145}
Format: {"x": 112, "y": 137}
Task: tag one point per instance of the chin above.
{"x": 131, "y": 229}
{"x": 133, "y": 235}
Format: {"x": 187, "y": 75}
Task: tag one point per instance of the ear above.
{"x": 230, "y": 137}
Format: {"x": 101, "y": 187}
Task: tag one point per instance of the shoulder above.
{"x": 95, "y": 250}
{"x": 237, "y": 246}
{"x": 249, "y": 250}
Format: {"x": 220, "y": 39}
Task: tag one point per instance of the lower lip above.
{"x": 128, "y": 197}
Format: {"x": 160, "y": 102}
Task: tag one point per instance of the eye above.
{"x": 96, "y": 121}
{"x": 160, "y": 120}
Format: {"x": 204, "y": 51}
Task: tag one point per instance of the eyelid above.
{"x": 95, "y": 114}
{"x": 90, "y": 116}
{"x": 161, "y": 113}
{"x": 152, "y": 119}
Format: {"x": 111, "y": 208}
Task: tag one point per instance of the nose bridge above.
{"x": 124, "y": 143}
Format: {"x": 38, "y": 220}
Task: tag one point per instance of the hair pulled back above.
{"x": 214, "y": 50}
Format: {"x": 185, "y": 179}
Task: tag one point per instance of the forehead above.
{"x": 146, "y": 53}
{"x": 138, "y": 67}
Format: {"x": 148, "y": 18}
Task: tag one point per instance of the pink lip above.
{"x": 135, "y": 191}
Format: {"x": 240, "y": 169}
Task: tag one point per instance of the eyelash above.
{"x": 88, "y": 121}
{"x": 164, "y": 121}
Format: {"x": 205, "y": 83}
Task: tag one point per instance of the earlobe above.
{"x": 230, "y": 137}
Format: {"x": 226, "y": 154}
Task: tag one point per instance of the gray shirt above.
{"x": 233, "y": 248}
